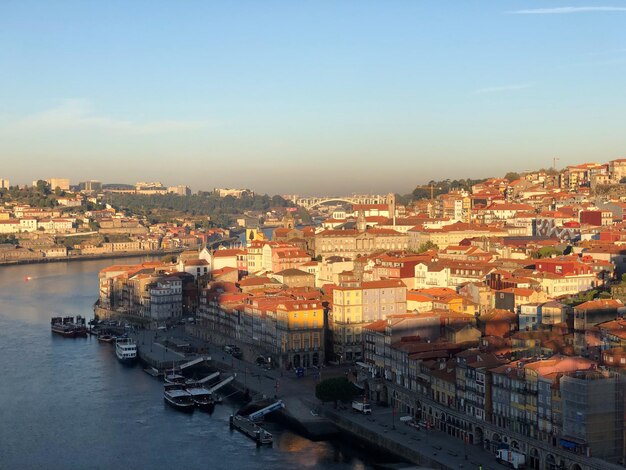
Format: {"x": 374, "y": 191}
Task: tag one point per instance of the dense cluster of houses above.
{"x": 494, "y": 314}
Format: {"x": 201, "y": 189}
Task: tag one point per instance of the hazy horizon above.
{"x": 308, "y": 98}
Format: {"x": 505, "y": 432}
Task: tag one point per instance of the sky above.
{"x": 308, "y": 97}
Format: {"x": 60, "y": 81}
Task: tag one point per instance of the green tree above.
{"x": 43, "y": 187}
{"x": 549, "y": 251}
{"x": 305, "y": 217}
{"x": 512, "y": 176}
{"x": 427, "y": 246}
{"x": 8, "y": 239}
{"x": 335, "y": 389}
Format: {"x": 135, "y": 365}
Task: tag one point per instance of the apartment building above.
{"x": 358, "y": 304}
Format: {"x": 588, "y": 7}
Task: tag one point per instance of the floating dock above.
{"x": 252, "y": 430}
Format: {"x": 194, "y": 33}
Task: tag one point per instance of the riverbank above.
{"x": 303, "y": 412}
{"x": 102, "y": 256}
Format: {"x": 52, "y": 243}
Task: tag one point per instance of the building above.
{"x": 280, "y": 256}
{"x": 180, "y": 190}
{"x": 295, "y": 278}
{"x": 331, "y": 268}
{"x": 353, "y": 243}
{"x": 588, "y": 315}
{"x": 617, "y": 169}
{"x": 61, "y": 183}
{"x": 300, "y": 333}
{"x": 237, "y": 193}
{"x": 153, "y": 187}
{"x": 596, "y": 218}
{"x": 4, "y": 183}
{"x": 166, "y": 299}
{"x": 593, "y": 414}
{"x": 91, "y": 186}
{"x": 451, "y": 234}
{"x": 358, "y": 304}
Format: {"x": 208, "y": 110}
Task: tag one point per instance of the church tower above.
{"x": 391, "y": 205}
{"x": 361, "y": 223}
{"x": 288, "y": 221}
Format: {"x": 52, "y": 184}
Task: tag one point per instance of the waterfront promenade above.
{"x": 382, "y": 430}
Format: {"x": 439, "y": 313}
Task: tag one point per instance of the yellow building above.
{"x": 358, "y": 304}
{"x": 300, "y": 332}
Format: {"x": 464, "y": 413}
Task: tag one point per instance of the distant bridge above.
{"x": 314, "y": 201}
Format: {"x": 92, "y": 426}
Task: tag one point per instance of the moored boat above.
{"x": 69, "y": 327}
{"x": 202, "y": 398}
{"x": 174, "y": 378}
{"x": 106, "y": 338}
{"x": 178, "y": 398}
{"x": 126, "y": 351}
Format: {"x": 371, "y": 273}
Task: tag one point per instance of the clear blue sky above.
{"x": 308, "y": 97}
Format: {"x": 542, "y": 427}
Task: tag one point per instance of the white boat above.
{"x": 126, "y": 350}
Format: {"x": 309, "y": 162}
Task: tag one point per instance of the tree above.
{"x": 548, "y": 252}
{"x": 512, "y": 176}
{"x": 427, "y": 246}
{"x": 43, "y": 187}
{"x": 335, "y": 389}
{"x": 8, "y": 239}
{"x": 305, "y": 217}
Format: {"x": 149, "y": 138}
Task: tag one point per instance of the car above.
{"x": 236, "y": 353}
{"x": 299, "y": 371}
{"x": 229, "y": 348}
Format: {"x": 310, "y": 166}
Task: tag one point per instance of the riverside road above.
{"x": 298, "y": 393}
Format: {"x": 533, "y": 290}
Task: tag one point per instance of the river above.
{"x": 68, "y": 404}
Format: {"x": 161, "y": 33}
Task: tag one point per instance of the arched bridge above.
{"x": 312, "y": 202}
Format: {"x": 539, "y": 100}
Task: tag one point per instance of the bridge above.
{"x": 314, "y": 201}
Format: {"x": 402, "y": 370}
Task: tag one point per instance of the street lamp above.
{"x": 393, "y": 410}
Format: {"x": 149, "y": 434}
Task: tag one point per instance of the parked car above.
{"x": 362, "y": 407}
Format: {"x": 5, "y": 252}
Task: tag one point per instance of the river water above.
{"x": 68, "y": 404}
